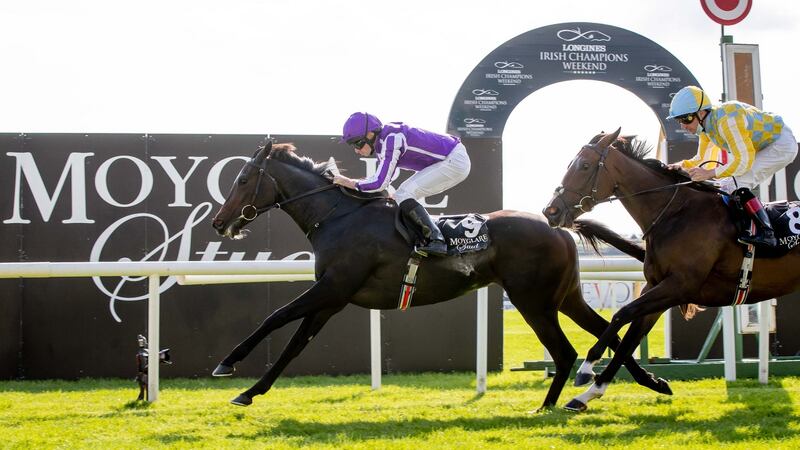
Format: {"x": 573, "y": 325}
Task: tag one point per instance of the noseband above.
{"x": 250, "y": 211}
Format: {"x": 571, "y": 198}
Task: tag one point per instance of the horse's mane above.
{"x": 286, "y": 153}
{"x": 637, "y": 150}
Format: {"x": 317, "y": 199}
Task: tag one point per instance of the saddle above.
{"x": 463, "y": 233}
{"x": 785, "y": 218}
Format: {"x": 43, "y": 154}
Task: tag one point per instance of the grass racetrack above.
{"x": 417, "y": 411}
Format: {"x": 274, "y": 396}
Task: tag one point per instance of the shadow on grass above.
{"x": 759, "y": 413}
{"x": 764, "y": 413}
{"x": 175, "y": 438}
{"x": 134, "y": 405}
{"x": 310, "y": 433}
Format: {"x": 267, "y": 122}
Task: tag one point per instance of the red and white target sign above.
{"x": 727, "y": 12}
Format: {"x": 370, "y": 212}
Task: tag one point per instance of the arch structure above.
{"x": 587, "y": 51}
{"x": 563, "y": 52}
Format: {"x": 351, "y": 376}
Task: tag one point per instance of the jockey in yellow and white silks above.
{"x": 756, "y": 145}
{"x": 744, "y": 131}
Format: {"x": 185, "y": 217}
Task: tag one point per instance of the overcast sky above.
{"x": 301, "y": 67}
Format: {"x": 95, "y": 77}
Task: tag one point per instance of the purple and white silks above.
{"x": 405, "y": 147}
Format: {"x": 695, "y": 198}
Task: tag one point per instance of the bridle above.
{"x": 250, "y": 211}
{"x": 595, "y": 178}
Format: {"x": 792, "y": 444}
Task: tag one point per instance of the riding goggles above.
{"x": 686, "y": 119}
{"x": 358, "y": 143}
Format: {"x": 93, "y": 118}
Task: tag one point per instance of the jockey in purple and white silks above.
{"x": 439, "y": 161}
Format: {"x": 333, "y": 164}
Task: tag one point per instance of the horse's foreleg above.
{"x": 632, "y": 338}
{"x": 309, "y": 328}
{"x": 310, "y": 301}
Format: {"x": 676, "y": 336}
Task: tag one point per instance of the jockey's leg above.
{"x": 416, "y": 212}
{"x": 432, "y": 180}
{"x": 752, "y": 205}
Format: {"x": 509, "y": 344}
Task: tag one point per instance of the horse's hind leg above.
{"x": 576, "y": 308}
{"x": 309, "y": 328}
{"x": 543, "y": 318}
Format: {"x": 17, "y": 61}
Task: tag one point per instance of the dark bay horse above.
{"x": 361, "y": 259}
{"x": 692, "y": 256}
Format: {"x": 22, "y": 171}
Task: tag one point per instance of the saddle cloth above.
{"x": 785, "y": 218}
{"x": 464, "y": 233}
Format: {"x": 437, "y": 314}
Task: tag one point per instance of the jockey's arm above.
{"x": 342, "y": 180}
{"x": 379, "y": 181}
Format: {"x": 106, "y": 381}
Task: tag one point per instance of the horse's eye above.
{"x": 243, "y": 180}
{"x": 585, "y": 166}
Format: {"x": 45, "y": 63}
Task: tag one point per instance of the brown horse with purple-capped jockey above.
{"x": 693, "y": 257}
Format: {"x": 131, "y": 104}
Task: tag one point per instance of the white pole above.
{"x": 728, "y": 343}
{"x": 668, "y": 333}
{"x": 610, "y": 265}
{"x": 764, "y": 308}
{"x": 375, "y": 347}
{"x": 480, "y": 348}
{"x": 153, "y": 313}
{"x": 763, "y": 340}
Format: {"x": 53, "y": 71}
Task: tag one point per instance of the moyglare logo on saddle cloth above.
{"x": 464, "y": 233}
{"x": 785, "y": 218}
{"x": 787, "y": 224}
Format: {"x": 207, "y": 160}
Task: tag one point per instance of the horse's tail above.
{"x": 592, "y": 232}
{"x": 689, "y": 310}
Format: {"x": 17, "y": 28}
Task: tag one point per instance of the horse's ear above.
{"x": 609, "y": 139}
{"x": 263, "y": 152}
{"x": 597, "y": 138}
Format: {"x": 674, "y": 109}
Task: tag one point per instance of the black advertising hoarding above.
{"x": 107, "y": 197}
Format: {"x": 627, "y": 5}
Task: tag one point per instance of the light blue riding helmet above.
{"x": 358, "y": 125}
{"x": 688, "y": 100}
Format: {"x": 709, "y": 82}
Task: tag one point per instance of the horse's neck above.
{"x": 645, "y": 208}
{"x": 292, "y": 182}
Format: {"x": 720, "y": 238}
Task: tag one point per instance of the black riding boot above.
{"x": 764, "y": 233}
{"x": 418, "y": 215}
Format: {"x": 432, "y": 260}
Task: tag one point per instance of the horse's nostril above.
{"x": 216, "y": 223}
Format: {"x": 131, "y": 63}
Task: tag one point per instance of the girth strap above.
{"x": 746, "y": 273}
{"x": 409, "y": 282}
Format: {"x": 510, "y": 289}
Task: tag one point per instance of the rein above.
{"x": 279, "y": 204}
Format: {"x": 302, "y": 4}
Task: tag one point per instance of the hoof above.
{"x": 223, "y": 371}
{"x": 242, "y": 400}
{"x": 542, "y": 410}
{"x": 582, "y": 379}
{"x": 575, "y": 405}
{"x": 662, "y": 387}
